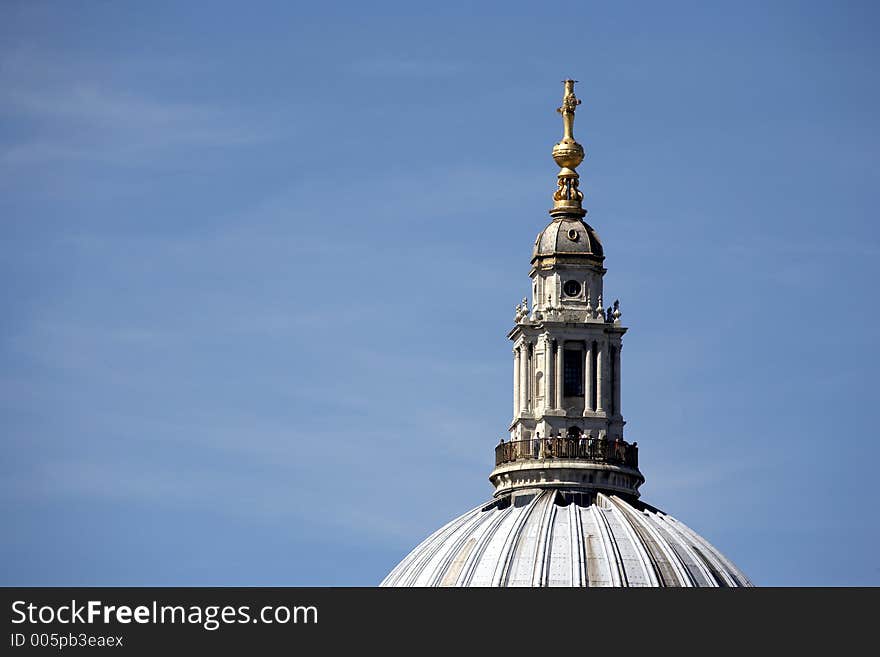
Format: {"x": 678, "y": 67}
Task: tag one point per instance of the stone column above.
{"x": 516, "y": 372}
{"x": 548, "y": 372}
{"x": 530, "y": 377}
{"x": 524, "y": 377}
{"x": 589, "y": 377}
{"x": 600, "y": 390}
{"x": 560, "y": 349}
{"x": 617, "y": 380}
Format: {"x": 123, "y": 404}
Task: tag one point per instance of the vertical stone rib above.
{"x": 611, "y": 542}
{"x": 411, "y": 566}
{"x": 543, "y": 547}
{"x": 484, "y": 540}
{"x": 454, "y": 548}
{"x": 713, "y": 558}
{"x": 578, "y": 547}
{"x": 696, "y": 573}
{"x": 436, "y": 548}
{"x": 450, "y": 575}
{"x": 625, "y": 521}
{"x": 701, "y": 565}
{"x": 508, "y": 553}
{"x": 615, "y": 564}
{"x": 668, "y": 567}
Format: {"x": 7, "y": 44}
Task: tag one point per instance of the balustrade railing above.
{"x": 598, "y": 450}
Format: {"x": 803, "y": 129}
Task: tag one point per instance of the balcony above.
{"x": 595, "y": 450}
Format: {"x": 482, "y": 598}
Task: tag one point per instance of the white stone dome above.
{"x": 550, "y": 538}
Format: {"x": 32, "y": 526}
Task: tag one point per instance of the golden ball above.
{"x": 568, "y": 154}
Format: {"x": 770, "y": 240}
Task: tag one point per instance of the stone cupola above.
{"x": 567, "y": 426}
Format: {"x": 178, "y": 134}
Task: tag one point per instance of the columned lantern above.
{"x": 566, "y": 508}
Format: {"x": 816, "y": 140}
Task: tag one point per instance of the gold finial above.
{"x": 569, "y": 105}
{"x": 568, "y": 154}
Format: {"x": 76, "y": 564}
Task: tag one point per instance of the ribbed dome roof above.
{"x": 568, "y": 235}
{"x": 542, "y": 540}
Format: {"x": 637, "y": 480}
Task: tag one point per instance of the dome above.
{"x": 568, "y": 235}
{"x": 566, "y": 509}
{"x": 547, "y": 538}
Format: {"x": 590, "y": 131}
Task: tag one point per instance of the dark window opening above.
{"x": 573, "y": 373}
{"x": 571, "y": 288}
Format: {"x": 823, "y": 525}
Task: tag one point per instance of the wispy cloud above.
{"x": 88, "y": 122}
{"x": 305, "y": 497}
{"x": 66, "y": 110}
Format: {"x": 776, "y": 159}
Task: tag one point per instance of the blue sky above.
{"x": 259, "y": 262}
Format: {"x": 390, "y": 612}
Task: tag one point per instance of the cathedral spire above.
{"x": 568, "y": 154}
